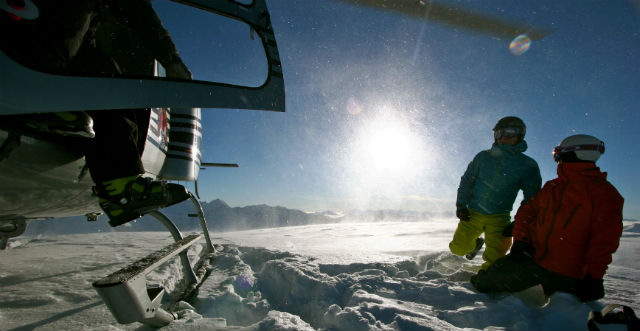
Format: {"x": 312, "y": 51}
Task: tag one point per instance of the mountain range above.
{"x": 221, "y": 217}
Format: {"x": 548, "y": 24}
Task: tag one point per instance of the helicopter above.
{"x": 43, "y": 173}
{"x": 44, "y": 176}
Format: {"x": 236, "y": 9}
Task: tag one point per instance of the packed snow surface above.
{"x": 345, "y": 276}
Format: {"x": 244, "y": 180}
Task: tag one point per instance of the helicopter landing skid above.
{"x": 125, "y": 292}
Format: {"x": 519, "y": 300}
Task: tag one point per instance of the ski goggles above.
{"x": 559, "y": 150}
{"x": 507, "y": 132}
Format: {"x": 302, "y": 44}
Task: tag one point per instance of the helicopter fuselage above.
{"x": 44, "y": 175}
{"x": 43, "y": 179}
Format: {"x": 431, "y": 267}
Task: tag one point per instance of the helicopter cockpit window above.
{"x": 121, "y": 38}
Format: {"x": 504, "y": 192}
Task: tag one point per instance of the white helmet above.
{"x": 585, "y": 147}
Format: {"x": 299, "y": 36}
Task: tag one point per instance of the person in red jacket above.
{"x": 565, "y": 236}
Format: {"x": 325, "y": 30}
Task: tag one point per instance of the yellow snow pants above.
{"x": 496, "y": 245}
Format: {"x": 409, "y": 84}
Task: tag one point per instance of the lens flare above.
{"x": 243, "y": 282}
{"x": 520, "y": 44}
{"x": 353, "y": 106}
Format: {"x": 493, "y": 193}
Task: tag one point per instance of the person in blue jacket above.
{"x": 489, "y": 188}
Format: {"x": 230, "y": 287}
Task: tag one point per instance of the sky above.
{"x": 345, "y": 276}
{"x": 385, "y": 111}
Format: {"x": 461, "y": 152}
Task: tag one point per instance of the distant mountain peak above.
{"x": 218, "y": 202}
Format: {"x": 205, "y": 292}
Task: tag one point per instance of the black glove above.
{"x": 463, "y": 214}
{"x": 521, "y": 250}
{"x": 589, "y": 289}
{"x": 508, "y": 231}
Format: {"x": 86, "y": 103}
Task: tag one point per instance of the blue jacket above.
{"x": 492, "y": 180}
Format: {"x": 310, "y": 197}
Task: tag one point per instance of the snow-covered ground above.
{"x": 348, "y": 276}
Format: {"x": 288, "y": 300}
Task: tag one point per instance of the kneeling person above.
{"x": 489, "y": 188}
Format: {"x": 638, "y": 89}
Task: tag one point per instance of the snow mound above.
{"x": 376, "y": 276}
{"x": 261, "y": 289}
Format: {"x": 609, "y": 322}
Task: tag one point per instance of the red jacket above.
{"x": 574, "y": 222}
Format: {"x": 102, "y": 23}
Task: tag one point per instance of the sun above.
{"x": 387, "y": 147}
{"x": 386, "y": 151}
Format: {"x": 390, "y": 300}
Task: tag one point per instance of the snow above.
{"x": 343, "y": 276}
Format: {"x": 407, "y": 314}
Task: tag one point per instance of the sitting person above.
{"x": 108, "y": 38}
{"x": 125, "y": 38}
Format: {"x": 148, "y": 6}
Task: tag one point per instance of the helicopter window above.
{"x": 88, "y": 40}
{"x": 214, "y": 47}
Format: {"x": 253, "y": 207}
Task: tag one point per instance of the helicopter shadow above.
{"x": 70, "y": 312}
{"x": 19, "y": 279}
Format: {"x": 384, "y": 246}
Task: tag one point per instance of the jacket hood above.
{"x": 575, "y": 169}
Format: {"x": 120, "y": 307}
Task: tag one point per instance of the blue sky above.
{"x": 386, "y": 111}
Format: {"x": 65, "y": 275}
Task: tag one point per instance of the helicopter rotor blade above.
{"x": 456, "y": 17}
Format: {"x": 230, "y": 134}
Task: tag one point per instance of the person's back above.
{"x": 499, "y": 174}
{"x": 574, "y": 222}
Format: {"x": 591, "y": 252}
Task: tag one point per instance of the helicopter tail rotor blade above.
{"x": 455, "y": 16}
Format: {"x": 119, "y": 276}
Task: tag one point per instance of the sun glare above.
{"x": 386, "y": 148}
{"x": 386, "y": 152}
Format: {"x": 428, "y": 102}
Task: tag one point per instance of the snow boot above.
{"x": 474, "y": 252}
{"x": 126, "y": 199}
{"x": 607, "y": 316}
